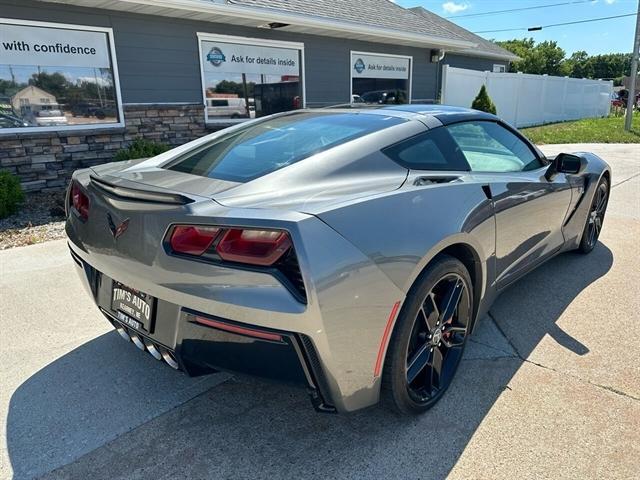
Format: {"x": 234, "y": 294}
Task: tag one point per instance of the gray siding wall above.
{"x": 158, "y": 56}
{"x": 473, "y": 63}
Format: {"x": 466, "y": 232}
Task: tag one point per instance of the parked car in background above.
{"x": 11, "y": 121}
{"x": 621, "y": 97}
{"x": 92, "y": 110}
{"x": 229, "y": 107}
{"x": 383, "y": 97}
{"x": 50, "y": 118}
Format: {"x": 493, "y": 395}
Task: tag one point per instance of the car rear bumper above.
{"x": 199, "y": 343}
{"x": 336, "y": 329}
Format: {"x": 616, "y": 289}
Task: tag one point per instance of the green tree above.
{"x": 552, "y": 58}
{"x": 229, "y": 86}
{"x": 483, "y": 102}
{"x": 544, "y": 58}
{"x": 611, "y": 65}
{"x": 579, "y": 65}
{"x": 54, "y": 83}
{"x": 547, "y": 57}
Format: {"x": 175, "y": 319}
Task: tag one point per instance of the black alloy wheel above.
{"x": 429, "y": 337}
{"x": 595, "y": 218}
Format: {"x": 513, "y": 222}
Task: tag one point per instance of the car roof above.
{"x": 444, "y": 114}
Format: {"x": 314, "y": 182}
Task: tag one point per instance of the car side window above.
{"x": 432, "y": 150}
{"x": 490, "y": 147}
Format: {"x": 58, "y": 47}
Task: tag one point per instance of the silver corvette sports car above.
{"x": 347, "y": 251}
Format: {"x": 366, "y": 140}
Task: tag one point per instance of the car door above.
{"x": 529, "y": 209}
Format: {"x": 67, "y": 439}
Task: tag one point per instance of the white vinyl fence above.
{"x": 524, "y": 100}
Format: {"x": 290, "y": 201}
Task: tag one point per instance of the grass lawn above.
{"x": 588, "y": 130}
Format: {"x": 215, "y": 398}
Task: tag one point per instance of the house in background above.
{"x": 31, "y": 100}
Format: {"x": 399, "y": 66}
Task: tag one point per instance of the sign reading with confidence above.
{"x": 55, "y": 47}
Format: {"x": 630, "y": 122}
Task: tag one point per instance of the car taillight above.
{"x": 79, "y": 200}
{"x": 192, "y": 239}
{"x": 256, "y": 247}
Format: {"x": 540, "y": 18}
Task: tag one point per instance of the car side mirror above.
{"x": 565, "y": 163}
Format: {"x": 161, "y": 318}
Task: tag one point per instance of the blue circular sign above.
{"x": 216, "y": 57}
{"x": 359, "y": 66}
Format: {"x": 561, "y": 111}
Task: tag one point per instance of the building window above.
{"x": 245, "y": 78}
{"x": 498, "y": 68}
{"x": 57, "y": 77}
{"x": 378, "y": 78}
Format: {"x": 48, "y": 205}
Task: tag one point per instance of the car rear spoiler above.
{"x": 140, "y": 195}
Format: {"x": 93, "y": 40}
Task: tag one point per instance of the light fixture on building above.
{"x": 437, "y": 55}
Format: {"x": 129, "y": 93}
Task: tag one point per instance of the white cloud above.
{"x": 609, "y": 2}
{"x": 453, "y": 7}
{"x": 97, "y": 80}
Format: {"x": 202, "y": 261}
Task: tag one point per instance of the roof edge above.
{"x": 267, "y": 14}
{"x": 479, "y": 51}
{"x": 485, "y": 54}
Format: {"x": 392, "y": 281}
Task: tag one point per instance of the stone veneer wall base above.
{"x": 44, "y": 161}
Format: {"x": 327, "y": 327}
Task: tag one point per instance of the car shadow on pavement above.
{"x": 247, "y": 428}
{"x": 86, "y": 398}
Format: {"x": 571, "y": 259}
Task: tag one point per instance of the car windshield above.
{"x": 265, "y": 147}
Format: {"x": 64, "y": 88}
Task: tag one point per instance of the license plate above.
{"x": 132, "y": 307}
{"x": 128, "y": 321}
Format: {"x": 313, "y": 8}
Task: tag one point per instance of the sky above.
{"x": 607, "y": 36}
{"x": 22, "y": 74}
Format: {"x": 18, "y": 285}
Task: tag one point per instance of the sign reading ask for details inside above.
{"x": 379, "y": 66}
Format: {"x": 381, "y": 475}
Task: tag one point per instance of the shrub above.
{"x": 483, "y": 102}
{"x": 141, "y": 148}
{"x": 10, "y": 193}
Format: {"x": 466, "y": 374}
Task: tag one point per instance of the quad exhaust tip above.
{"x": 123, "y": 333}
{"x": 170, "y": 358}
{"x": 156, "y": 351}
{"x": 151, "y": 348}
{"x": 137, "y": 342}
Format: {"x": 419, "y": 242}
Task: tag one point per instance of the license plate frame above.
{"x": 132, "y": 307}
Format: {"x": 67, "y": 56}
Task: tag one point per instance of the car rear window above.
{"x": 265, "y": 147}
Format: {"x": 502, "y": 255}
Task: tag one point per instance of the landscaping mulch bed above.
{"x": 39, "y": 219}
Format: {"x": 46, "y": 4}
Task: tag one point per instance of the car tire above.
{"x": 595, "y": 217}
{"x": 429, "y": 337}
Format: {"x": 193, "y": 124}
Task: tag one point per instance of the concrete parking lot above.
{"x": 549, "y": 387}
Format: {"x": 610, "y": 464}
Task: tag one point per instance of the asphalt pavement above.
{"x": 549, "y": 386}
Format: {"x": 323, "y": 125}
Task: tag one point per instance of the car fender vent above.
{"x": 140, "y": 195}
{"x": 432, "y": 180}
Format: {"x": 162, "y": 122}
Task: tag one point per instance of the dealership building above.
{"x": 81, "y": 79}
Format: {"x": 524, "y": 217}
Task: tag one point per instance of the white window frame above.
{"x": 499, "y": 68}
{"x": 258, "y": 42}
{"x": 358, "y": 52}
{"x": 114, "y": 67}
